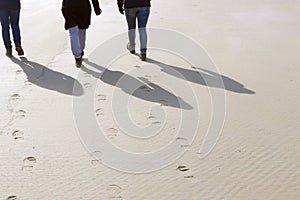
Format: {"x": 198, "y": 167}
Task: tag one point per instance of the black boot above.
{"x": 78, "y": 61}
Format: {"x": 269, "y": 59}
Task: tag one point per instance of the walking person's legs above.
{"x": 4, "y": 18}
{"x": 14, "y": 22}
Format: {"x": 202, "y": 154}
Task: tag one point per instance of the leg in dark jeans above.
{"x": 131, "y": 22}
{"x": 4, "y": 17}
{"x": 14, "y": 21}
{"x": 143, "y": 15}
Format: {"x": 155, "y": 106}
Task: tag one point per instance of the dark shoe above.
{"x": 78, "y": 61}
{"x": 143, "y": 55}
{"x": 9, "y": 53}
{"x": 20, "y": 51}
{"x": 82, "y": 54}
{"x": 131, "y": 49}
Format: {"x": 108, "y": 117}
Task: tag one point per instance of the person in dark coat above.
{"x": 136, "y": 10}
{"x": 10, "y": 17}
{"x": 77, "y": 14}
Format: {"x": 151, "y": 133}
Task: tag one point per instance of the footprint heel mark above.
{"x": 18, "y": 72}
{"x": 182, "y": 168}
{"x": 28, "y": 163}
{"x": 189, "y": 177}
{"x": 99, "y": 112}
{"x": 101, "y": 97}
{"x": 18, "y": 135}
{"x": 12, "y": 198}
{"x": 112, "y": 133}
{"x": 20, "y": 114}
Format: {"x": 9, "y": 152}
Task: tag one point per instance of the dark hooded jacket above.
{"x": 134, "y": 3}
{"x": 10, "y": 5}
{"x": 78, "y": 12}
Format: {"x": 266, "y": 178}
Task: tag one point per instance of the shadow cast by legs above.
{"x": 203, "y": 77}
{"x": 140, "y": 88}
{"x": 48, "y": 79}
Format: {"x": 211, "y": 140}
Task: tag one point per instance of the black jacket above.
{"x": 78, "y": 12}
{"x": 10, "y": 5}
{"x": 134, "y": 3}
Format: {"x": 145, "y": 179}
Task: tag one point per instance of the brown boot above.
{"x": 9, "y": 53}
{"x": 143, "y": 55}
{"x": 20, "y": 51}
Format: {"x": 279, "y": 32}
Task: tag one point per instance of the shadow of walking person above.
{"x": 47, "y": 78}
{"x": 203, "y": 77}
{"x": 141, "y": 88}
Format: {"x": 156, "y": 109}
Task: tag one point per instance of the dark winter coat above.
{"x": 10, "y": 5}
{"x": 78, "y": 12}
{"x": 134, "y": 3}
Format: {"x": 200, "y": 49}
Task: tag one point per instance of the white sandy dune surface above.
{"x": 221, "y": 85}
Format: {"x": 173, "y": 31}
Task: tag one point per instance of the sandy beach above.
{"x": 212, "y": 114}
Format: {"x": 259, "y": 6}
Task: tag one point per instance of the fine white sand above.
{"x": 255, "y": 47}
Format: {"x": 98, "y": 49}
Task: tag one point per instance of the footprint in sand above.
{"x": 182, "y": 168}
{"x": 97, "y": 157}
{"x": 27, "y": 83}
{"x": 112, "y": 133}
{"x": 148, "y": 76}
{"x": 18, "y": 72}
{"x": 20, "y": 114}
{"x": 183, "y": 142}
{"x": 185, "y": 170}
{"x": 163, "y": 102}
{"x": 18, "y": 135}
{"x": 15, "y": 98}
{"x": 87, "y": 85}
{"x": 12, "y": 198}
{"x": 114, "y": 191}
{"x": 101, "y": 97}
{"x": 99, "y": 112}
{"x": 151, "y": 117}
{"x": 28, "y": 163}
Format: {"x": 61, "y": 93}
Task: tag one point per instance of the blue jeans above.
{"x": 140, "y": 14}
{"x": 10, "y": 18}
{"x": 77, "y": 37}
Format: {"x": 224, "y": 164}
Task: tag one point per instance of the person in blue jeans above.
{"x": 136, "y": 11}
{"x": 77, "y": 14}
{"x": 9, "y": 17}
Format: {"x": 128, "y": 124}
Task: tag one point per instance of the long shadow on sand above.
{"x": 140, "y": 88}
{"x": 203, "y": 77}
{"x": 47, "y": 78}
